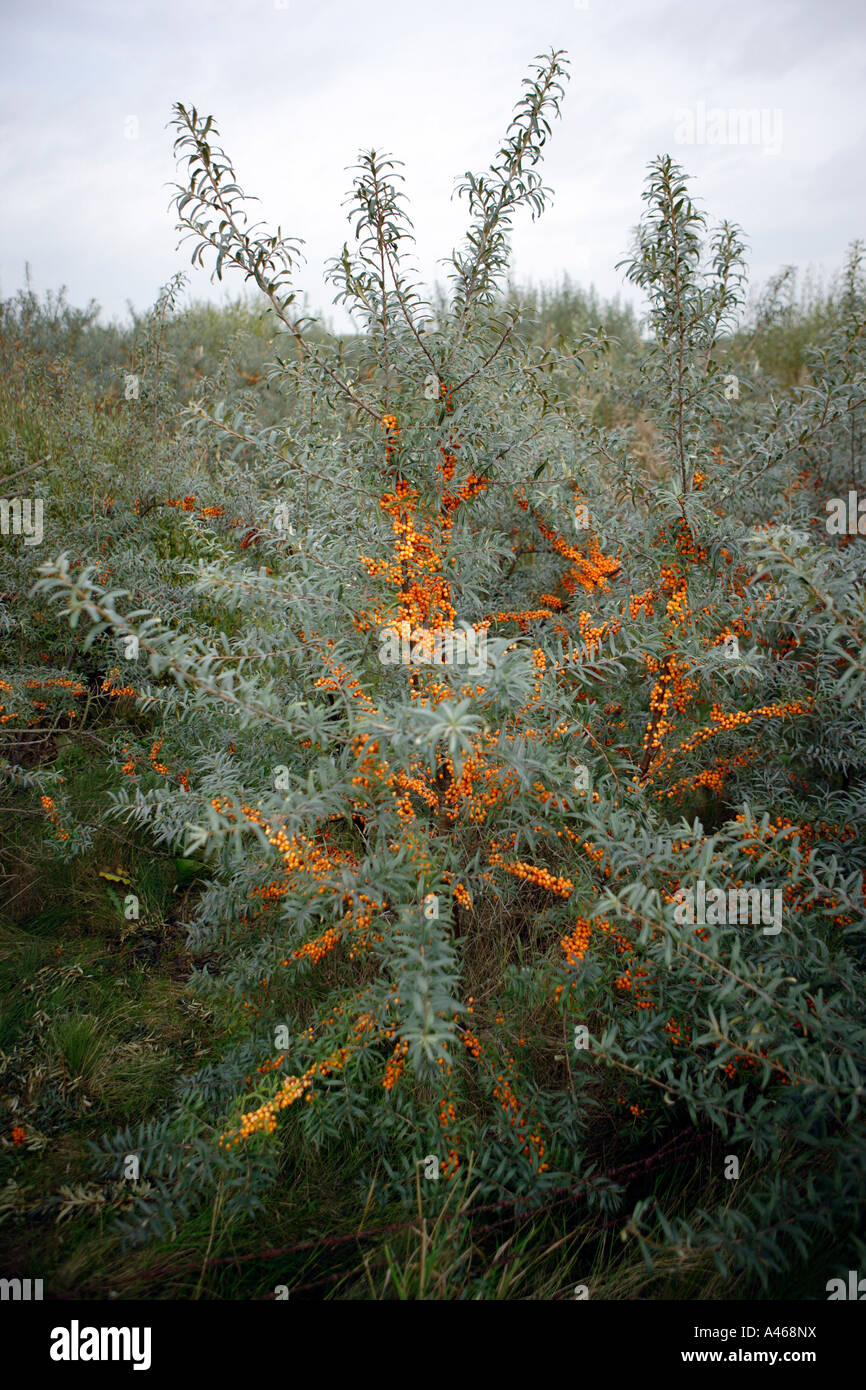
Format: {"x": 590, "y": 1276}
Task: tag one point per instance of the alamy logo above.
{"x": 403, "y": 645}
{"x": 20, "y": 1289}
{"x": 720, "y": 125}
{"x": 854, "y": 1290}
{"x": 715, "y": 907}
{"x": 75, "y": 1343}
{"x": 846, "y": 520}
{"x": 22, "y": 517}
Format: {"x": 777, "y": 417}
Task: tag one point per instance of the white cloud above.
{"x": 298, "y": 90}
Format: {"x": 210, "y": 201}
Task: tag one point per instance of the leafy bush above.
{"x": 465, "y": 695}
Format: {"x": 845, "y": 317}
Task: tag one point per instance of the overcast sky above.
{"x": 297, "y": 87}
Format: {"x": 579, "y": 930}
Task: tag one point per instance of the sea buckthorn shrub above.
{"x": 444, "y": 914}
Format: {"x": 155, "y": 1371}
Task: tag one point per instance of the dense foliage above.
{"x": 492, "y": 678}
